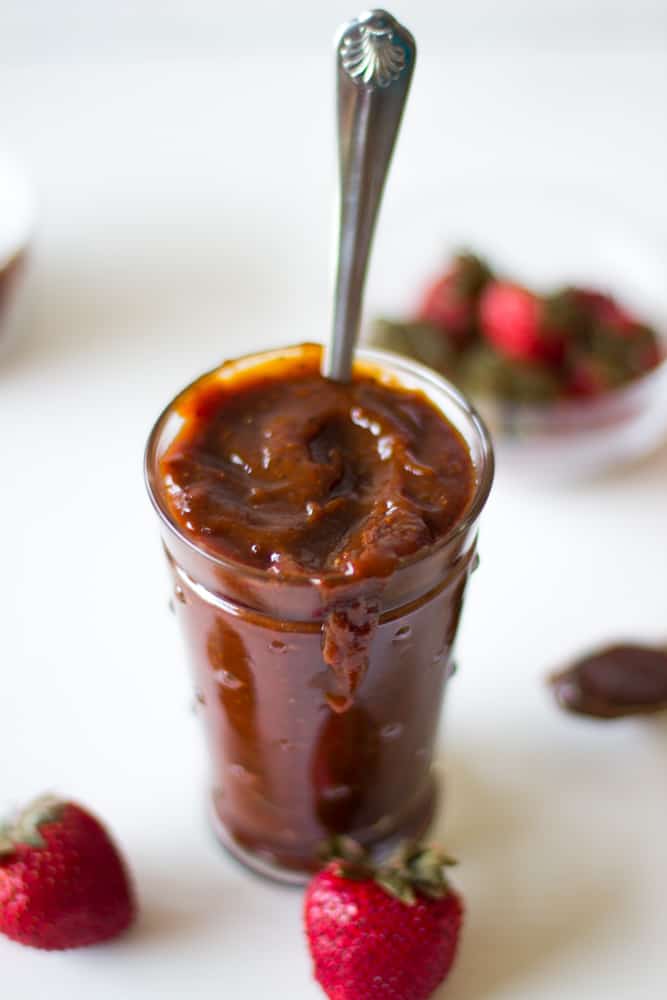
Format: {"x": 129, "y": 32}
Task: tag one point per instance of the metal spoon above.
{"x": 375, "y": 58}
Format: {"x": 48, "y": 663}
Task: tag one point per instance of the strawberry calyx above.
{"x": 449, "y": 303}
{"x": 471, "y": 274}
{"x": 413, "y": 869}
{"x": 25, "y": 828}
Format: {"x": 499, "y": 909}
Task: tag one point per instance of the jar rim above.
{"x": 382, "y": 365}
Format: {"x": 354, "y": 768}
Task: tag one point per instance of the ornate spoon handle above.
{"x": 375, "y": 59}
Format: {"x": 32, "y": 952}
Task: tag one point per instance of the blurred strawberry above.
{"x": 517, "y": 323}
{"x": 615, "y": 335}
{"x": 486, "y": 373}
{"x": 450, "y": 303}
{"x": 589, "y": 377}
{"x": 602, "y": 308}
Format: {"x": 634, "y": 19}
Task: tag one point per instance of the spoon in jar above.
{"x": 375, "y": 58}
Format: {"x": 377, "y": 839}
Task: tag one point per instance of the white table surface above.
{"x": 185, "y": 209}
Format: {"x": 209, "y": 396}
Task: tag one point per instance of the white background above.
{"x": 184, "y": 159}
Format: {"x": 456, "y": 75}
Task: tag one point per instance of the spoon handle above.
{"x": 375, "y": 57}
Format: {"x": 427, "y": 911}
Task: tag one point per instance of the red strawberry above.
{"x": 604, "y": 309}
{"x": 616, "y": 334}
{"x": 63, "y": 883}
{"x": 450, "y": 302}
{"x": 514, "y": 321}
{"x": 589, "y": 377}
{"x": 390, "y": 932}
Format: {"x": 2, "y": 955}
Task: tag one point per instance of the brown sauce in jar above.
{"x": 296, "y": 474}
{"x": 306, "y": 501}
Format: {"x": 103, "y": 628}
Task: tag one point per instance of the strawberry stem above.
{"x": 26, "y": 827}
{"x": 414, "y": 869}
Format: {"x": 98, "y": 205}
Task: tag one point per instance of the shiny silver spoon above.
{"x": 375, "y": 58}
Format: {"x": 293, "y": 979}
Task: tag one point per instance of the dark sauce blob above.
{"x": 614, "y": 682}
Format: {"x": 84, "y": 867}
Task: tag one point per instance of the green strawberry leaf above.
{"x": 340, "y": 847}
{"x": 7, "y": 845}
{"x": 45, "y": 809}
{"x": 355, "y": 872}
{"x": 395, "y": 885}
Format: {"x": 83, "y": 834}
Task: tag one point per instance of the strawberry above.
{"x": 63, "y": 883}
{"x": 616, "y": 336}
{"x": 589, "y": 376}
{"x": 450, "y": 302}
{"x": 516, "y": 323}
{"x": 602, "y": 308}
{"x": 390, "y": 932}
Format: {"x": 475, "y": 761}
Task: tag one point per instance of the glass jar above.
{"x": 287, "y": 770}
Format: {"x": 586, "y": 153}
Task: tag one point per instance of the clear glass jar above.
{"x": 287, "y": 771}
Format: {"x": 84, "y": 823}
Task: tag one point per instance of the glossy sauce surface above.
{"x": 300, "y": 475}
